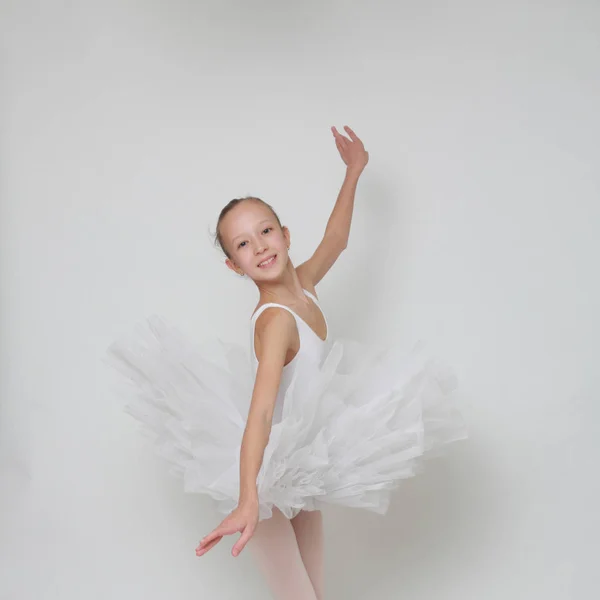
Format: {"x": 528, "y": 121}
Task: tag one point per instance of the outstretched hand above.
{"x": 351, "y": 150}
{"x": 244, "y": 519}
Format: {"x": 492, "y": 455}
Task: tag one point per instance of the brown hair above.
{"x": 218, "y": 238}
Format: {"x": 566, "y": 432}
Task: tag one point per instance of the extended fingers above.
{"x": 241, "y": 543}
{"x": 207, "y": 538}
{"x": 351, "y": 133}
{"x": 219, "y": 532}
{"x": 339, "y": 138}
{"x": 203, "y": 548}
{"x": 345, "y": 140}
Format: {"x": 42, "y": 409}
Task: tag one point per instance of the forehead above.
{"x": 244, "y": 218}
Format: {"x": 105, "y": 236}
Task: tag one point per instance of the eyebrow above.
{"x": 242, "y": 234}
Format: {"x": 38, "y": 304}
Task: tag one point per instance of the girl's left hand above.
{"x": 351, "y": 150}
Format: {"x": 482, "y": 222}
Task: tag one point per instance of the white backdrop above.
{"x": 126, "y": 126}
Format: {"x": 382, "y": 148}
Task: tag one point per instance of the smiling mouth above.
{"x": 265, "y": 264}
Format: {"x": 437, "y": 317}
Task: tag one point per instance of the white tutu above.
{"x": 352, "y": 427}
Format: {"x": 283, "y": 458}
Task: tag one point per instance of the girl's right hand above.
{"x": 244, "y": 519}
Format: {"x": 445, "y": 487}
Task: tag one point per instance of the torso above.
{"x": 311, "y": 318}
{"x": 311, "y": 343}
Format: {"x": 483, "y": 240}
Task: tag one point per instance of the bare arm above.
{"x": 338, "y": 224}
{"x": 337, "y": 231}
{"x": 275, "y": 329}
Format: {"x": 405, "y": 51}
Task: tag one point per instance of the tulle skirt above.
{"x": 352, "y": 426}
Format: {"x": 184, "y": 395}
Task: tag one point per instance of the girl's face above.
{"x": 252, "y": 236}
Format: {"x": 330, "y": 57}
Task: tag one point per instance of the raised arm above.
{"x": 337, "y": 231}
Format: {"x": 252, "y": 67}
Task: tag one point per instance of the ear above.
{"x": 286, "y": 235}
{"x": 233, "y": 266}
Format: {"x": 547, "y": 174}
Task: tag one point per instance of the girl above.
{"x": 328, "y": 421}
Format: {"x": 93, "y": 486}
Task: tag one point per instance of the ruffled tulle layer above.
{"x": 351, "y": 429}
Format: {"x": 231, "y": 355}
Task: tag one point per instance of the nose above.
{"x": 260, "y": 248}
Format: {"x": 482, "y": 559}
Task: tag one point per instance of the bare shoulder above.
{"x": 274, "y": 329}
{"x": 272, "y": 318}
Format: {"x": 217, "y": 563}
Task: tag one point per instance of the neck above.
{"x": 287, "y": 289}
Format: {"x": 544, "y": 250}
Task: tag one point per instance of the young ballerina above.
{"x": 327, "y": 422}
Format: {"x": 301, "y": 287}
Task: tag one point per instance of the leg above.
{"x": 308, "y": 526}
{"x": 275, "y": 549}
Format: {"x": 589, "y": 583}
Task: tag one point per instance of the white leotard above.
{"x": 311, "y": 345}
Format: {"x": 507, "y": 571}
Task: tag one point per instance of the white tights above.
{"x": 289, "y": 552}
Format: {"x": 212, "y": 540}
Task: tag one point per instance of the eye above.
{"x": 240, "y": 245}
